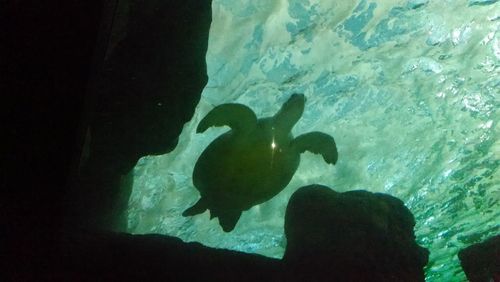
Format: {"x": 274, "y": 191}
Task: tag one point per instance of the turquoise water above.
{"x": 409, "y": 90}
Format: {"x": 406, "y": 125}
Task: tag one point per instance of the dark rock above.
{"x": 481, "y": 262}
{"x": 109, "y": 256}
{"x": 351, "y": 236}
{"x": 46, "y": 52}
{"x": 136, "y": 85}
{"x": 144, "y": 91}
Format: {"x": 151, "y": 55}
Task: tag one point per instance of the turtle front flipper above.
{"x": 236, "y": 116}
{"x": 317, "y": 143}
{"x": 228, "y": 219}
{"x": 197, "y": 208}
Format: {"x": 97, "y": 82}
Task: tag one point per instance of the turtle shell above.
{"x": 241, "y": 169}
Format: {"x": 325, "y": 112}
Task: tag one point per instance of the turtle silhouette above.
{"x": 254, "y": 161}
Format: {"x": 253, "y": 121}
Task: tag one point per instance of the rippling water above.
{"x": 409, "y": 90}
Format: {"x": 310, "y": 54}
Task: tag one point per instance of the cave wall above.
{"x": 151, "y": 79}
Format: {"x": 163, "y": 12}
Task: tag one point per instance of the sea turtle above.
{"x": 252, "y": 162}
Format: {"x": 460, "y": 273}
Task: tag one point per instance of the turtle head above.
{"x": 290, "y": 112}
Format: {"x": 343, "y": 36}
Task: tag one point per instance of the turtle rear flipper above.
{"x": 197, "y": 208}
{"x": 317, "y": 143}
{"x": 236, "y": 116}
{"x": 228, "y": 220}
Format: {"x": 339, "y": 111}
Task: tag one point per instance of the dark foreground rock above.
{"x": 144, "y": 91}
{"x": 107, "y": 256}
{"x": 351, "y": 236}
{"x": 481, "y": 262}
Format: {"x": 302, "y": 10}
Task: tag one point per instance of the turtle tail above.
{"x": 228, "y": 219}
{"x": 197, "y": 208}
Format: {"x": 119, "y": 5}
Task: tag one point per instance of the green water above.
{"x": 409, "y": 90}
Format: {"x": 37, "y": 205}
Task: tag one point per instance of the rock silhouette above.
{"x": 351, "y": 236}
{"x": 481, "y": 262}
